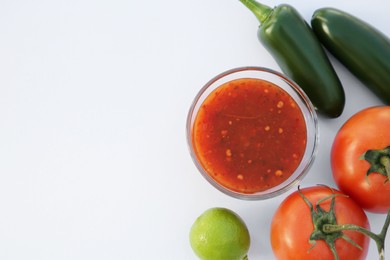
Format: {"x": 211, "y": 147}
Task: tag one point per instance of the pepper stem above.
{"x": 261, "y": 11}
{"x": 378, "y": 238}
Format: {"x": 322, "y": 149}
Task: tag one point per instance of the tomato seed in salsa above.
{"x": 249, "y": 135}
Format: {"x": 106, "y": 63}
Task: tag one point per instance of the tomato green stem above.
{"x": 261, "y": 11}
{"x": 378, "y": 238}
{"x": 385, "y": 161}
{"x": 321, "y": 217}
{"x": 379, "y": 161}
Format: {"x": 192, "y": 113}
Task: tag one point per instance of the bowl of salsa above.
{"x": 252, "y": 133}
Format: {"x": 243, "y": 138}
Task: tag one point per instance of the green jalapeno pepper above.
{"x": 359, "y": 46}
{"x": 299, "y": 54}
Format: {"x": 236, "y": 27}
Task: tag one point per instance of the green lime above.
{"x": 220, "y": 234}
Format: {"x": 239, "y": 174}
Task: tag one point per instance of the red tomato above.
{"x": 368, "y": 129}
{"x": 292, "y": 227}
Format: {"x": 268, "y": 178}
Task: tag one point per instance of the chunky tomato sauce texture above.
{"x": 249, "y": 135}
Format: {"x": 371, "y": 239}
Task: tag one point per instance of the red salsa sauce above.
{"x": 249, "y": 135}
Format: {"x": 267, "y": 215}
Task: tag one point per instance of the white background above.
{"x": 93, "y": 102}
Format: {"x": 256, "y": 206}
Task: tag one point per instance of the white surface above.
{"x": 93, "y": 101}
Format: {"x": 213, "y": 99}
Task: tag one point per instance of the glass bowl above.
{"x": 227, "y": 156}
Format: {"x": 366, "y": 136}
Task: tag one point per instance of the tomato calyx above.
{"x": 378, "y": 238}
{"x": 327, "y": 229}
{"x": 379, "y": 161}
{"x": 321, "y": 219}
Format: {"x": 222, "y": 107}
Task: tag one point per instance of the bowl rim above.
{"x": 311, "y": 120}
